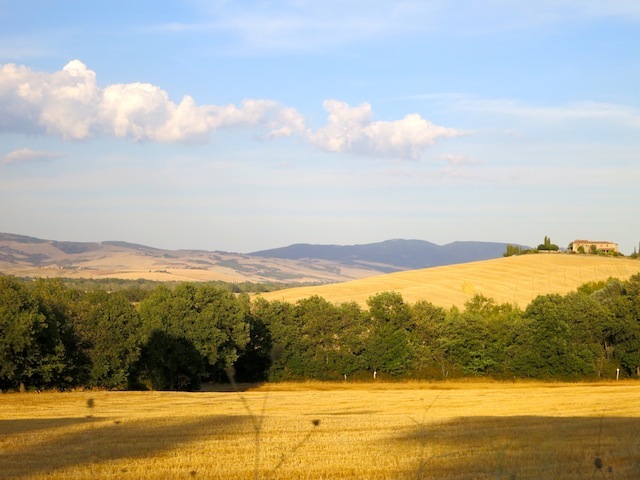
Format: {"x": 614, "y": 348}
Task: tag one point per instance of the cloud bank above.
{"x": 70, "y": 105}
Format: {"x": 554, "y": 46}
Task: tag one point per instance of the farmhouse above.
{"x": 587, "y": 246}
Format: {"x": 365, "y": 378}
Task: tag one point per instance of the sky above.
{"x": 246, "y": 125}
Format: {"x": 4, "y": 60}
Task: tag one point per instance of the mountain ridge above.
{"x": 27, "y": 256}
{"x": 400, "y": 253}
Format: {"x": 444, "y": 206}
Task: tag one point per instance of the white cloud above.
{"x": 70, "y": 104}
{"x": 352, "y": 130}
{"x": 26, "y": 155}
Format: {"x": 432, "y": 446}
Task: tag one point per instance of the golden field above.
{"x": 516, "y": 280}
{"x": 313, "y": 430}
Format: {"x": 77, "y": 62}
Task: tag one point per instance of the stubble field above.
{"x": 315, "y": 430}
{"x": 515, "y": 280}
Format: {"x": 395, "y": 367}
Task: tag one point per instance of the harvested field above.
{"x": 516, "y": 280}
{"x": 315, "y": 430}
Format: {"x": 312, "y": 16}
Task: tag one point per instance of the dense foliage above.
{"x": 547, "y": 245}
{"x": 138, "y": 290}
{"x": 56, "y": 336}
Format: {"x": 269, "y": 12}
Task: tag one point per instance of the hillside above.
{"x": 33, "y": 257}
{"x": 517, "y": 280}
{"x": 392, "y": 255}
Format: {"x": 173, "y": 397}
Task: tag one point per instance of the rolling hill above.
{"x": 341, "y": 273}
{"x": 33, "y": 257}
{"x": 516, "y": 280}
{"x": 391, "y": 255}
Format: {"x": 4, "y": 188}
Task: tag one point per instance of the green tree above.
{"x": 108, "y": 328}
{"x": 547, "y": 344}
{"x": 254, "y": 362}
{"x": 63, "y": 364}
{"x": 547, "y": 245}
{"x": 591, "y": 336}
{"x": 286, "y": 358}
{"x": 474, "y": 341}
{"x": 317, "y": 320}
{"x": 214, "y": 321}
{"x": 513, "y": 250}
{"x": 37, "y": 342}
{"x": 350, "y": 339}
{"x": 313, "y": 338}
{"x": 501, "y": 322}
{"x": 622, "y": 299}
{"x": 21, "y": 323}
{"x": 391, "y": 342}
{"x": 430, "y": 359}
{"x": 169, "y": 363}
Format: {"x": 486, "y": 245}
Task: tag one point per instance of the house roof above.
{"x": 594, "y": 241}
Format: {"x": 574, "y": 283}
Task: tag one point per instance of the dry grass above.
{"x": 516, "y": 280}
{"x": 108, "y": 261}
{"x": 366, "y": 431}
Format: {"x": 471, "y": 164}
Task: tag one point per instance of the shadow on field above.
{"x": 525, "y": 447}
{"x": 107, "y": 440}
{"x": 9, "y": 427}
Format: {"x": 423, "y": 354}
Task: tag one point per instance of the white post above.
{"x": 617, "y": 374}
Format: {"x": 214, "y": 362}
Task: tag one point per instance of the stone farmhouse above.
{"x": 605, "y": 247}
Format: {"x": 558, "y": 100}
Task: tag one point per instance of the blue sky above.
{"x": 246, "y": 125}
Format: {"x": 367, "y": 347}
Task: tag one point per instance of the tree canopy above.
{"x": 55, "y": 336}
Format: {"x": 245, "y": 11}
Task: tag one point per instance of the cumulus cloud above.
{"x": 70, "y": 104}
{"x": 26, "y": 155}
{"x": 352, "y": 130}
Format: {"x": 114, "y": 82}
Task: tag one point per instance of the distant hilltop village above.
{"x": 588, "y": 246}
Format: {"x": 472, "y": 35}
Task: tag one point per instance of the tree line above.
{"x": 53, "y": 336}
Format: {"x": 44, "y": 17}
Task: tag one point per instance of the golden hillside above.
{"x": 516, "y": 280}
{"x": 32, "y": 257}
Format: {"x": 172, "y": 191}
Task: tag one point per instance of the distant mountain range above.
{"x": 301, "y": 263}
{"x": 392, "y": 255}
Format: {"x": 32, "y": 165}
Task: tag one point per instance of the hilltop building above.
{"x": 587, "y": 246}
